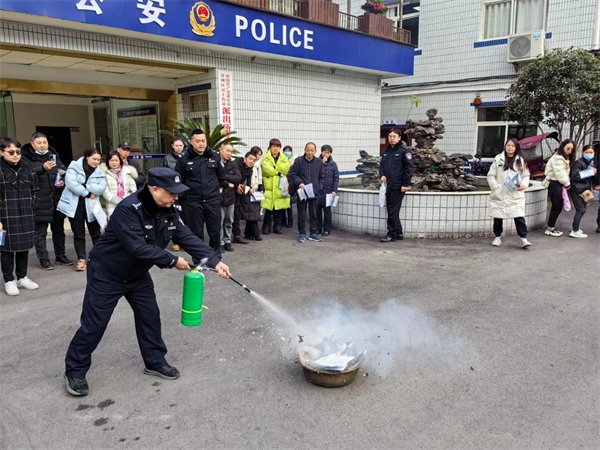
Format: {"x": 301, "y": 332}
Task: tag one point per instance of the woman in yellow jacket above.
{"x": 557, "y": 177}
{"x": 275, "y": 166}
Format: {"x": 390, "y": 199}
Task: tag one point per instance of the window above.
{"x": 493, "y": 131}
{"x": 504, "y": 17}
{"x": 195, "y": 105}
{"x": 411, "y": 10}
{"x": 393, "y": 13}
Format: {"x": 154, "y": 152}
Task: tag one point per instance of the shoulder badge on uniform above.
{"x": 137, "y": 205}
{"x": 408, "y": 156}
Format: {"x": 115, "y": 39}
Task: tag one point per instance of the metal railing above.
{"x": 401, "y": 35}
{"x": 289, "y": 7}
{"x": 349, "y": 22}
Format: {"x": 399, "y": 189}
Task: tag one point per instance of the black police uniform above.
{"x": 205, "y": 175}
{"x": 397, "y": 166}
{"x": 134, "y": 241}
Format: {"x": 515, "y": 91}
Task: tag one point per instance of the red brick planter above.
{"x": 376, "y": 25}
{"x": 322, "y": 11}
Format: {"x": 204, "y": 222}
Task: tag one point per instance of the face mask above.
{"x": 588, "y": 157}
{"x": 288, "y": 154}
{"x": 40, "y": 153}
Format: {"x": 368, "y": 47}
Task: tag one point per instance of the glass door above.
{"x": 104, "y": 139}
{"x": 7, "y": 116}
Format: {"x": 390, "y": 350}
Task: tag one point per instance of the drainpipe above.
{"x": 596, "y": 39}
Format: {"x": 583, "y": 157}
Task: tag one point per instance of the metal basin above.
{"x": 326, "y": 378}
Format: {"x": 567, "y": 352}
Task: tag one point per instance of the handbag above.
{"x": 566, "y": 201}
{"x": 587, "y": 196}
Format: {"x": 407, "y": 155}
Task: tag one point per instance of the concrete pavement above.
{"x": 499, "y": 349}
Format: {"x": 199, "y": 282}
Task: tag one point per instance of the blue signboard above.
{"x": 231, "y": 25}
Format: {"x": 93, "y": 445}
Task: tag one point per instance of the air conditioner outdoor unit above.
{"x": 596, "y": 134}
{"x": 524, "y": 47}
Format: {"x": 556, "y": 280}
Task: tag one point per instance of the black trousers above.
{"x": 519, "y": 224}
{"x": 288, "y": 217}
{"x": 580, "y": 208}
{"x": 252, "y": 230}
{"x": 302, "y": 206}
{"x": 100, "y": 299}
{"x": 237, "y": 216}
{"x": 57, "y": 226}
{"x": 274, "y": 217}
{"x": 78, "y": 224}
{"x": 8, "y": 260}
{"x": 208, "y": 213}
{"x": 555, "y": 194}
{"x": 323, "y": 217}
{"x": 393, "y": 199}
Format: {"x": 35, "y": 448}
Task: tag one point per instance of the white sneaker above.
{"x": 27, "y": 283}
{"x": 578, "y": 234}
{"x": 497, "y": 241}
{"x": 553, "y": 232}
{"x": 11, "y": 288}
{"x": 525, "y": 243}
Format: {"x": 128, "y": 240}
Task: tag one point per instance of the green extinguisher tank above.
{"x": 191, "y": 305}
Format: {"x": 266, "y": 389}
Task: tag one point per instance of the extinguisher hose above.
{"x": 210, "y": 269}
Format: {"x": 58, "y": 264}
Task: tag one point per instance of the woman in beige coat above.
{"x": 508, "y": 178}
{"x": 557, "y": 177}
{"x": 120, "y": 181}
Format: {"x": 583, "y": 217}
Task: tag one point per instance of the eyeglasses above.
{"x": 13, "y": 152}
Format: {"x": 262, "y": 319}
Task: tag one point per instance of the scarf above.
{"x": 118, "y": 174}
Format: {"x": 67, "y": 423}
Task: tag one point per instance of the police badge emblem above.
{"x": 202, "y": 20}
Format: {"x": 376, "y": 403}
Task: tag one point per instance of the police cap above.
{"x": 167, "y": 179}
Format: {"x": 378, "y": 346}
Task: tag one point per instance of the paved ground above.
{"x": 498, "y": 348}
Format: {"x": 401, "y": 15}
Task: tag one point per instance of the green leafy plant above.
{"x": 414, "y": 101}
{"x": 214, "y": 137}
{"x": 560, "y": 90}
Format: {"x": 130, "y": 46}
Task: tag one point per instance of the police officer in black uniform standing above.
{"x": 396, "y": 170}
{"x": 137, "y": 234}
{"x": 200, "y": 168}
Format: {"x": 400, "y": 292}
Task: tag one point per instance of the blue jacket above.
{"x": 76, "y": 187}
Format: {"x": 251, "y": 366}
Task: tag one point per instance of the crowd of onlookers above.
{"x": 37, "y": 191}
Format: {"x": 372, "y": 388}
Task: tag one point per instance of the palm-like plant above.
{"x": 214, "y": 138}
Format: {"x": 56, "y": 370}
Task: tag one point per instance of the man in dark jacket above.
{"x": 232, "y": 180}
{"x": 200, "y": 168}
{"x": 331, "y": 180}
{"x": 307, "y": 170}
{"x": 124, "y": 150}
{"x": 48, "y": 168}
{"x": 396, "y": 169}
{"x": 138, "y": 232}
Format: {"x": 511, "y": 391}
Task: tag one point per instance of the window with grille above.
{"x": 504, "y": 17}
{"x": 195, "y": 105}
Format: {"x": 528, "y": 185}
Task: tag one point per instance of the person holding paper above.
{"x": 331, "y": 180}
{"x": 557, "y": 177}
{"x": 508, "y": 178}
{"x": 596, "y": 182}
{"x": 307, "y": 179}
{"x": 582, "y": 174}
{"x": 233, "y": 178}
{"x": 248, "y": 204}
{"x": 288, "y": 214}
{"x": 396, "y": 169}
{"x": 243, "y": 169}
{"x": 275, "y": 166}
{"x": 84, "y": 184}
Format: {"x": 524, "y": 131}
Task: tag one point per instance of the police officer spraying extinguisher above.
{"x": 396, "y": 170}
{"x": 138, "y": 232}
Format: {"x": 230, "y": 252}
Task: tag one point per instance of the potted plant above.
{"x": 215, "y": 137}
{"x": 375, "y": 7}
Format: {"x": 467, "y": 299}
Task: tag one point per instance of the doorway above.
{"x": 60, "y": 139}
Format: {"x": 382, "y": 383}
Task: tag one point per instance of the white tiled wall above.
{"x": 448, "y": 31}
{"x": 295, "y": 104}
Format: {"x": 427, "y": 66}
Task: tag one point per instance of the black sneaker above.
{"x": 167, "y": 372}
{"x": 62, "y": 260}
{"x": 45, "y": 264}
{"x": 76, "y": 386}
{"x": 387, "y": 239}
{"x": 228, "y": 247}
{"x": 400, "y": 237}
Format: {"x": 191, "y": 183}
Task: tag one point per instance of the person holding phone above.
{"x": 49, "y": 170}
{"x": 508, "y": 178}
{"x": 19, "y": 196}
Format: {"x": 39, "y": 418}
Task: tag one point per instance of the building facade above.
{"x": 468, "y": 55}
{"x": 97, "y": 72}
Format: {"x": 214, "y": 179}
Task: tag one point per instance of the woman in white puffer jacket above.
{"x": 120, "y": 181}
{"x": 507, "y": 200}
{"x": 557, "y": 178}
